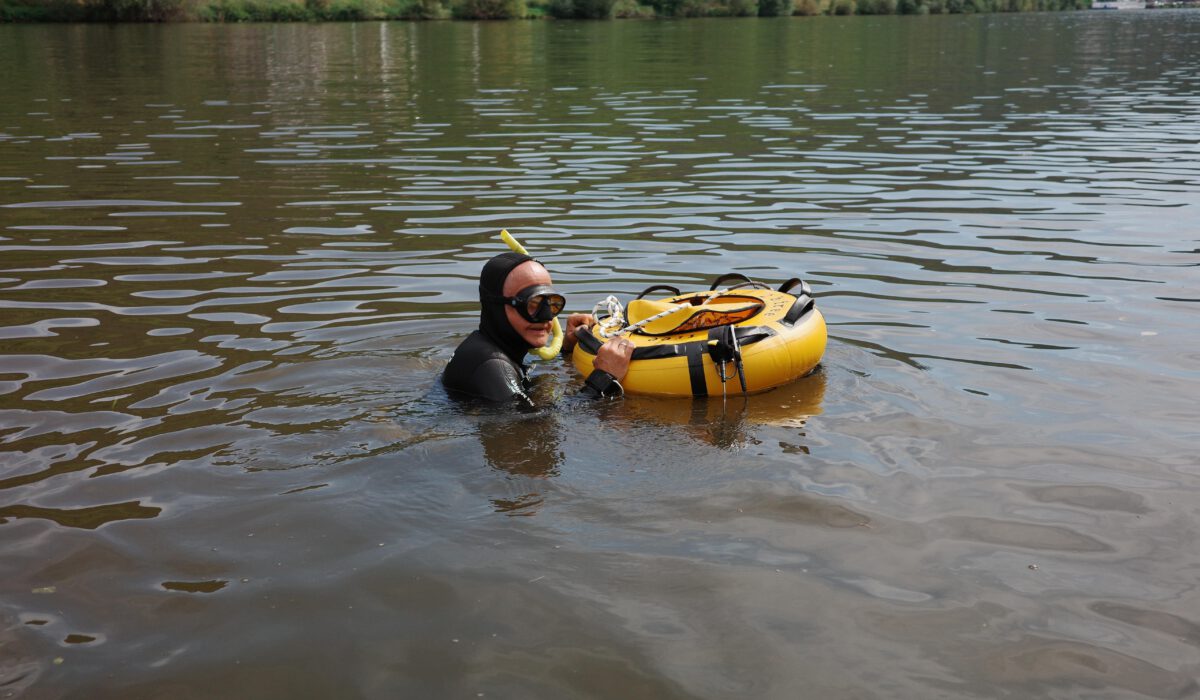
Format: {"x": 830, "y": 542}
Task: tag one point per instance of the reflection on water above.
{"x": 732, "y": 422}
{"x": 529, "y": 446}
{"x": 88, "y": 518}
{"x": 234, "y": 260}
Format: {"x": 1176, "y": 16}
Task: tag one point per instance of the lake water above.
{"x": 234, "y": 259}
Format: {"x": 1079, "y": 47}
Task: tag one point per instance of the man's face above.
{"x": 525, "y": 275}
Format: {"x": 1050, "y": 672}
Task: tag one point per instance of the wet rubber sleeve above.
{"x": 497, "y": 380}
{"x": 480, "y": 369}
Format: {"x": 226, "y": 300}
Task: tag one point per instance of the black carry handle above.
{"x": 735, "y": 276}
{"x": 787, "y": 286}
{"x": 729, "y": 276}
{"x": 659, "y": 287}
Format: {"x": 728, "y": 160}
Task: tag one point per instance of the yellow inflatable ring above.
{"x": 780, "y": 342}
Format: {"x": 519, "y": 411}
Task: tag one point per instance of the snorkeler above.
{"x": 517, "y": 305}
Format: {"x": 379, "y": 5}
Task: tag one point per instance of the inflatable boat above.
{"x": 697, "y": 343}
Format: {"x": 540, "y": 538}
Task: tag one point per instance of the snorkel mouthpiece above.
{"x": 556, "y": 332}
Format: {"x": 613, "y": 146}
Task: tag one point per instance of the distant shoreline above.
{"x": 367, "y": 10}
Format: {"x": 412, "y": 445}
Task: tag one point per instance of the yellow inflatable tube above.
{"x": 782, "y": 337}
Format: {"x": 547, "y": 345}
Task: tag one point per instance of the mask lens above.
{"x": 543, "y": 307}
{"x": 538, "y": 303}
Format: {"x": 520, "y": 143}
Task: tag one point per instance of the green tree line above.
{"x": 333, "y": 10}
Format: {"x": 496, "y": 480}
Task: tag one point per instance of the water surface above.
{"x": 234, "y": 259}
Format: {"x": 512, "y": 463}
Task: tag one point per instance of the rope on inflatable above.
{"x": 612, "y": 306}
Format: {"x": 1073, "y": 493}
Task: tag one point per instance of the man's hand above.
{"x": 614, "y": 356}
{"x": 574, "y": 323}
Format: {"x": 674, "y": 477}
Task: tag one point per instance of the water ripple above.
{"x": 227, "y": 289}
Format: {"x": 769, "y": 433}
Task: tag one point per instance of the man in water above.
{"x": 517, "y": 303}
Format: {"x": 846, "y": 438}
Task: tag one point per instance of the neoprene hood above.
{"x": 493, "y": 322}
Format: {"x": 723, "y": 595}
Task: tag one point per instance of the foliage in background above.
{"x": 333, "y": 10}
{"x": 632, "y": 9}
{"x": 775, "y": 8}
{"x": 705, "y": 8}
{"x": 140, "y": 10}
{"x": 487, "y": 9}
{"x": 94, "y": 10}
{"x": 425, "y": 9}
{"x": 218, "y": 10}
{"x": 260, "y": 11}
{"x": 582, "y": 9}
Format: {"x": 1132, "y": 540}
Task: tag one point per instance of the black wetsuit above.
{"x": 488, "y": 363}
{"x": 481, "y": 368}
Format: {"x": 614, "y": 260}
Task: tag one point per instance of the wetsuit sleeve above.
{"x": 480, "y": 369}
{"x": 497, "y": 380}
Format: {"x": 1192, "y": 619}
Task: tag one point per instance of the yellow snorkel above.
{"x": 556, "y": 332}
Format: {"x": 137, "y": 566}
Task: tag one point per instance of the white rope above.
{"x": 631, "y": 328}
{"x": 609, "y": 314}
{"x": 608, "y": 328}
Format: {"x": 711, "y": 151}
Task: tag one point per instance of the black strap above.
{"x": 601, "y": 383}
{"x": 659, "y": 287}
{"x": 800, "y": 307}
{"x": 747, "y": 335}
{"x": 737, "y": 276}
{"x": 729, "y": 276}
{"x": 787, "y": 286}
{"x": 695, "y": 362}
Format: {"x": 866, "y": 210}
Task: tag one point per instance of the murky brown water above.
{"x": 233, "y": 261}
